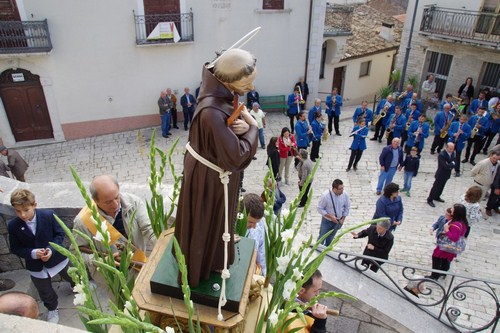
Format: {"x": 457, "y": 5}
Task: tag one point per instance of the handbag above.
{"x": 447, "y": 245}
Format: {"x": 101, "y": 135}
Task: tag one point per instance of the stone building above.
{"x": 453, "y": 40}
{"x": 360, "y": 44}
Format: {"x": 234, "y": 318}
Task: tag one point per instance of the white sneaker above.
{"x": 53, "y": 316}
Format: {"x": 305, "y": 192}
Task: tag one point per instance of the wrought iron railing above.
{"x": 465, "y": 303}
{"x": 24, "y": 37}
{"x": 481, "y": 28}
{"x": 145, "y": 24}
{"x": 338, "y": 19}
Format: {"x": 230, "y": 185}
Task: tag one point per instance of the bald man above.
{"x": 18, "y": 304}
{"x": 118, "y": 209}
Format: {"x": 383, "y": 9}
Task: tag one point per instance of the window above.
{"x": 273, "y": 4}
{"x": 322, "y": 64}
{"x": 491, "y": 78}
{"x": 364, "y": 69}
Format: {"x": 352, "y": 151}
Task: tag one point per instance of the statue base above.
{"x": 161, "y": 306}
{"x": 164, "y": 279}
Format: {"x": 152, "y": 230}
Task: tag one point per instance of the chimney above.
{"x": 386, "y": 32}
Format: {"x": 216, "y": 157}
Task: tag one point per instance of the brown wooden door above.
{"x": 338, "y": 78}
{"x": 158, "y": 11}
{"x": 24, "y": 102}
{"x": 11, "y": 35}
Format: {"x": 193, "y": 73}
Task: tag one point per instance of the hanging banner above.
{"x": 165, "y": 30}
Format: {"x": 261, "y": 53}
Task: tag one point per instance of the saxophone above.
{"x": 475, "y": 129}
{"x": 382, "y": 113}
{"x": 389, "y": 129}
{"x": 408, "y": 123}
{"x": 444, "y": 130}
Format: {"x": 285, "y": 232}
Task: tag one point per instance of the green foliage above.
{"x": 413, "y": 80}
{"x": 156, "y": 210}
{"x": 385, "y": 91}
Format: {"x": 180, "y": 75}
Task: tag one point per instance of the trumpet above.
{"x": 382, "y": 114}
{"x": 403, "y": 95}
{"x": 301, "y": 99}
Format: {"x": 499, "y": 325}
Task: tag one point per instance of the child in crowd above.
{"x": 29, "y": 235}
{"x": 438, "y": 226}
{"x": 411, "y": 165}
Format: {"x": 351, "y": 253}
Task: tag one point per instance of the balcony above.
{"x": 476, "y": 28}
{"x": 145, "y": 26}
{"x": 24, "y": 37}
{"x": 338, "y": 19}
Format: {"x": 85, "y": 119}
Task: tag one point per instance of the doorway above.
{"x": 338, "y": 78}
{"x": 24, "y": 101}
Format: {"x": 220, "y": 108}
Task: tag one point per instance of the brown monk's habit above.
{"x": 200, "y": 214}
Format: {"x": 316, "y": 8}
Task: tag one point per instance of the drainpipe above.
{"x": 408, "y": 48}
{"x": 308, "y": 38}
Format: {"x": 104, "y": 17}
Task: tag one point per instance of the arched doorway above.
{"x": 24, "y": 101}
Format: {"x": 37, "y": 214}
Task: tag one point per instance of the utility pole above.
{"x": 408, "y": 48}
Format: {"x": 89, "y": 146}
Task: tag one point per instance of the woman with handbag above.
{"x": 453, "y": 233}
{"x": 287, "y": 147}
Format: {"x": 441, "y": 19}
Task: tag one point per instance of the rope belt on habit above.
{"x": 224, "y": 179}
{"x": 478, "y": 183}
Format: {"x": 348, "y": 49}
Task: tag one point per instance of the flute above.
{"x": 356, "y": 131}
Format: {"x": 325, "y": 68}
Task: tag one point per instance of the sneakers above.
{"x": 53, "y": 316}
{"x": 403, "y": 190}
{"x": 6, "y": 284}
{"x": 408, "y": 194}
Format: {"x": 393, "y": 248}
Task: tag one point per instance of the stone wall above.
{"x": 467, "y": 61}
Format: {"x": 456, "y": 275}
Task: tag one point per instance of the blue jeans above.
{"x": 326, "y": 226}
{"x": 408, "y": 178}
{"x": 385, "y": 178}
{"x": 261, "y": 138}
{"x": 165, "y": 123}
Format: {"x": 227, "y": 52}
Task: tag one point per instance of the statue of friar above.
{"x": 229, "y": 149}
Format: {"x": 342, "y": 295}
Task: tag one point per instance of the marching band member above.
{"x": 302, "y": 131}
{"x": 479, "y": 102}
{"x": 494, "y": 118}
{"x": 395, "y": 125}
{"x": 382, "y": 123}
{"x": 411, "y": 115}
{"x": 312, "y": 112}
{"x": 417, "y": 133}
{"x": 364, "y": 112}
{"x": 441, "y": 120}
{"x": 447, "y": 100}
{"x": 413, "y": 99}
{"x": 479, "y": 124}
{"x": 359, "y": 134}
{"x": 333, "y": 104}
{"x": 458, "y": 133}
{"x": 405, "y": 94}
{"x": 317, "y": 127}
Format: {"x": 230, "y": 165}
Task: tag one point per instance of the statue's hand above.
{"x": 240, "y": 127}
{"x": 247, "y": 117}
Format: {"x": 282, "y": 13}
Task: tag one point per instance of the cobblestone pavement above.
{"x": 126, "y": 155}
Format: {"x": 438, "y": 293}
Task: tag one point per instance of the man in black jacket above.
{"x": 380, "y": 241}
{"x": 446, "y": 163}
{"x": 492, "y": 203}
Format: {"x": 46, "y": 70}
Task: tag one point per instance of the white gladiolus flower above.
{"x": 287, "y": 234}
{"x": 128, "y": 306}
{"x": 283, "y": 264}
{"x": 288, "y": 288}
{"x": 240, "y": 198}
{"x": 169, "y": 329}
{"x": 273, "y": 318}
{"x": 79, "y": 299}
{"x": 98, "y": 236}
{"x": 78, "y": 288}
{"x": 297, "y": 274}
{"x": 240, "y": 216}
{"x": 284, "y": 212}
{"x": 266, "y": 213}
